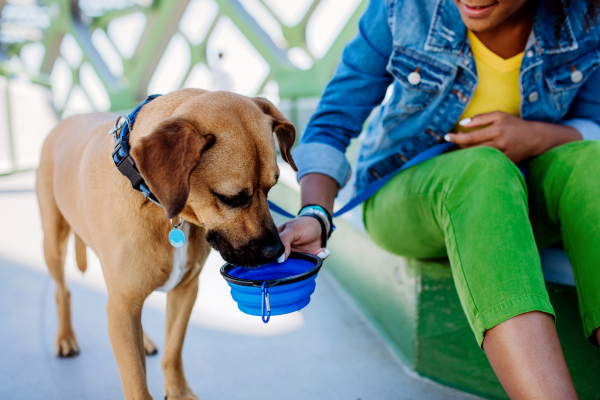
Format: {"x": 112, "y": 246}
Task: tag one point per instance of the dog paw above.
{"x": 186, "y": 395}
{"x": 66, "y": 346}
{"x": 149, "y": 346}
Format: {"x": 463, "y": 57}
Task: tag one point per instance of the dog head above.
{"x": 213, "y": 161}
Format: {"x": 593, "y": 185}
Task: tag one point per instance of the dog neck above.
{"x": 121, "y": 153}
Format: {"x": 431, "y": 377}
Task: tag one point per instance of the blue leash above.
{"x": 375, "y": 186}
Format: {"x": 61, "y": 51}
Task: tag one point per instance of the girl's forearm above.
{"x": 318, "y": 189}
{"x": 321, "y": 189}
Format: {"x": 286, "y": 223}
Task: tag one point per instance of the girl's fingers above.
{"x": 281, "y": 227}
{"x": 481, "y": 119}
{"x": 489, "y": 143}
{"x": 472, "y": 138}
{"x": 287, "y": 238}
{"x": 323, "y": 253}
{"x": 300, "y": 235}
{"x": 287, "y": 246}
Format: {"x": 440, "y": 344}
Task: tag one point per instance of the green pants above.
{"x": 474, "y": 206}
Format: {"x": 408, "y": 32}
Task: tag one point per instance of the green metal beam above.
{"x": 162, "y": 22}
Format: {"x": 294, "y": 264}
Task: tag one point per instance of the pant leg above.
{"x": 471, "y": 204}
{"x": 564, "y": 201}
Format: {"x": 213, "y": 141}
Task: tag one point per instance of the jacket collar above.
{"x": 447, "y": 33}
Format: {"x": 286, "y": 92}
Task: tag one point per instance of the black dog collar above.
{"x": 121, "y": 156}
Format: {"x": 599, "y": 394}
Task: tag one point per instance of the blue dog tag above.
{"x": 176, "y": 237}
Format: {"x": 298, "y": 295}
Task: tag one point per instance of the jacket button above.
{"x": 576, "y": 76}
{"x": 414, "y": 78}
{"x": 529, "y": 53}
{"x": 533, "y": 97}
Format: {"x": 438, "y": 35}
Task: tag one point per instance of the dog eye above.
{"x": 241, "y": 199}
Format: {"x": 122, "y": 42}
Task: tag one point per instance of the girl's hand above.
{"x": 516, "y": 138}
{"x": 302, "y": 234}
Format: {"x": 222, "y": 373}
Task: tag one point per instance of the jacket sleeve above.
{"x": 358, "y": 85}
{"x": 584, "y": 114}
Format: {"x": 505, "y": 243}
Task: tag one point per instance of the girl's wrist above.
{"x": 549, "y": 135}
{"x": 321, "y": 212}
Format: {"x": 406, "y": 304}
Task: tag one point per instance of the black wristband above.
{"x": 323, "y": 228}
{"x": 329, "y": 216}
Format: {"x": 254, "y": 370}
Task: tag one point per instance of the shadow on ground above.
{"x": 334, "y": 356}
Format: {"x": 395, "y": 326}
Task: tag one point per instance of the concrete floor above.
{"x": 326, "y": 351}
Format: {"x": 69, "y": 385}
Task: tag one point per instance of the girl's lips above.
{"x": 478, "y": 12}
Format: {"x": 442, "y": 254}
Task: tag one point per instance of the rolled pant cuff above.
{"x": 591, "y": 321}
{"x": 509, "y": 309}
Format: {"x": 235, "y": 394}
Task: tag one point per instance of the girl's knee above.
{"x": 487, "y": 166}
{"x": 582, "y": 156}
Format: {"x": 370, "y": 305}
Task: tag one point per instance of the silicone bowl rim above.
{"x": 284, "y": 281}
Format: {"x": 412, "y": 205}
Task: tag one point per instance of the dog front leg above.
{"x": 180, "y": 302}
{"x": 127, "y": 339}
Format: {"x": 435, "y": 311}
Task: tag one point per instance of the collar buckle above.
{"x": 121, "y": 150}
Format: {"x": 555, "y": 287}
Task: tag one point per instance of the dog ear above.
{"x": 166, "y": 158}
{"x": 283, "y": 128}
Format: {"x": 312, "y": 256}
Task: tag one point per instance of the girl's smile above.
{"x": 478, "y": 11}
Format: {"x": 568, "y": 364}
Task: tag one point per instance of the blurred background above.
{"x": 65, "y": 57}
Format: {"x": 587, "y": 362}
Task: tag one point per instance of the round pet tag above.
{"x": 176, "y": 237}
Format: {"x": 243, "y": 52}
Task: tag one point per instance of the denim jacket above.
{"x": 559, "y": 82}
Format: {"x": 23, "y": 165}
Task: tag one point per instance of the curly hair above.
{"x": 559, "y": 8}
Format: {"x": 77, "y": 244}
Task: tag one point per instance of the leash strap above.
{"x": 323, "y": 228}
{"x": 375, "y": 186}
{"x": 121, "y": 156}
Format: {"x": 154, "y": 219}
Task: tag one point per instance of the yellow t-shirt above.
{"x": 498, "y": 88}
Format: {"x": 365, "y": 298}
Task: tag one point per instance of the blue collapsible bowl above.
{"x": 274, "y": 289}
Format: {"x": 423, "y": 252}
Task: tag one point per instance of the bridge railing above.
{"x": 110, "y": 55}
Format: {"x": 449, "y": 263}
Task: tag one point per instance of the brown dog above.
{"x": 209, "y": 157}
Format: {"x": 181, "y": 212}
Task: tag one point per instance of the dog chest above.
{"x": 180, "y": 256}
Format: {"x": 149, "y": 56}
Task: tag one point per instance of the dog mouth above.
{"x": 255, "y": 253}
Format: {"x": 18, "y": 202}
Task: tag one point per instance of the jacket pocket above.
{"x": 566, "y": 80}
{"x": 422, "y": 78}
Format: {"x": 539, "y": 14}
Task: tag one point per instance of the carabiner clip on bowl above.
{"x": 265, "y": 300}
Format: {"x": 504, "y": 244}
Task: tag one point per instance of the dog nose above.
{"x": 274, "y": 251}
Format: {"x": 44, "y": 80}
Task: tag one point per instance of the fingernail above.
{"x": 281, "y": 258}
{"x": 321, "y": 255}
{"x": 327, "y": 252}
{"x": 465, "y": 121}
{"x": 447, "y": 138}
